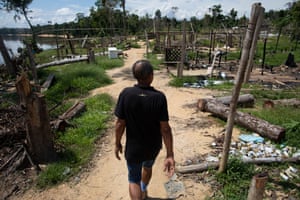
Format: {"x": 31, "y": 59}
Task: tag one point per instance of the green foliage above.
{"x": 226, "y": 85}
{"x": 78, "y": 141}
{"x": 285, "y": 116}
{"x": 154, "y": 61}
{"x": 276, "y": 56}
{"x": 178, "y": 82}
{"x": 293, "y": 133}
{"x": 77, "y": 79}
{"x": 235, "y": 180}
{"x": 262, "y": 93}
{"x": 45, "y": 56}
{"x": 105, "y": 63}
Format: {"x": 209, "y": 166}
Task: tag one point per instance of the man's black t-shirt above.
{"x": 142, "y": 108}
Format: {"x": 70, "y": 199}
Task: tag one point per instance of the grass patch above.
{"x": 76, "y": 80}
{"x": 179, "y": 81}
{"x": 235, "y": 181}
{"x": 78, "y": 141}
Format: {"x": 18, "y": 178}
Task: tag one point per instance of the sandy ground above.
{"x": 106, "y": 178}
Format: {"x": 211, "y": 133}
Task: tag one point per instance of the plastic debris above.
{"x": 174, "y": 187}
{"x": 251, "y": 138}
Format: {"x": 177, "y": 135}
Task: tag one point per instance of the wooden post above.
{"x": 147, "y": 43}
{"x": 183, "y": 51}
{"x": 32, "y": 64}
{"x": 264, "y": 56}
{"x": 39, "y": 136}
{"x": 257, "y": 187}
{"x": 71, "y": 44}
{"x": 57, "y": 46}
{"x": 253, "y": 46}
{"x": 239, "y": 80}
{"x": 91, "y": 56}
{"x": 210, "y": 46}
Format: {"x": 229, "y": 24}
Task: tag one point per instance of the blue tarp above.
{"x": 251, "y": 138}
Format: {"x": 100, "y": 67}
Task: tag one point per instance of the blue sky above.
{"x": 59, "y": 11}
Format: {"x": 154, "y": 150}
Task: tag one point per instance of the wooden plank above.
{"x": 48, "y": 82}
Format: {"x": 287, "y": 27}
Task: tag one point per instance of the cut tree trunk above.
{"x": 257, "y": 186}
{"x": 39, "y": 135}
{"x": 244, "y": 101}
{"x": 262, "y": 127}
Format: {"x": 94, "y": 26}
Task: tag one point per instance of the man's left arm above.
{"x": 119, "y": 131}
{"x": 167, "y": 136}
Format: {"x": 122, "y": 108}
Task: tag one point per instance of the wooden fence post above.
{"x": 183, "y": 51}
{"x": 237, "y": 87}
{"x": 253, "y": 46}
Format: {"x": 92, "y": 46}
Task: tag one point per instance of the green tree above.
{"x": 231, "y": 18}
{"x": 20, "y": 7}
{"x": 295, "y": 22}
{"x": 217, "y": 15}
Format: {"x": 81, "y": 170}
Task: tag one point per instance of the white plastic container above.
{"x": 112, "y": 52}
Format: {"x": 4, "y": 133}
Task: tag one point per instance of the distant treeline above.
{"x": 14, "y": 31}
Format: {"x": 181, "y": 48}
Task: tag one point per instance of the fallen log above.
{"x": 284, "y": 102}
{"x": 62, "y": 122}
{"x": 262, "y": 127}
{"x": 62, "y": 62}
{"x": 245, "y": 100}
{"x": 72, "y": 112}
{"x": 214, "y": 165}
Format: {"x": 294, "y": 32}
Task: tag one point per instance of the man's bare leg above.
{"x": 135, "y": 191}
{"x": 146, "y": 177}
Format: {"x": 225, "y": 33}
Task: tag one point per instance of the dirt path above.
{"x": 107, "y": 178}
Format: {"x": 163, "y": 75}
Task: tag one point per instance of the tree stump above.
{"x": 257, "y": 187}
{"x": 39, "y": 136}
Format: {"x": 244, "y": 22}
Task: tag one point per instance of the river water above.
{"x": 13, "y": 43}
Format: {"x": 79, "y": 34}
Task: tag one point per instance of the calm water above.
{"x": 14, "y": 43}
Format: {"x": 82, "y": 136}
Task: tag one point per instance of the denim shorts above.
{"x": 135, "y": 170}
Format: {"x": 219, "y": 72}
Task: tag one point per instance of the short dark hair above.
{"x": 142, "y": 69}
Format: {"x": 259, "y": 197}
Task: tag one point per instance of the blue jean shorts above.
{"x": 135, "y": 170}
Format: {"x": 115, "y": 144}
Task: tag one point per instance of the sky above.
{"x": 60, "y": 11}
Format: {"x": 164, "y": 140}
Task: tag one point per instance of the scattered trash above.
{"x": 253, "y": 146}
{"x": 205, "y": 83}
{"x": 67, "y": 171}
{"x": 212, "y": 159}
{"x": 289, "y": 173}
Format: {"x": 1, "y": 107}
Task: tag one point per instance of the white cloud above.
{"x": 186, "y": 9}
